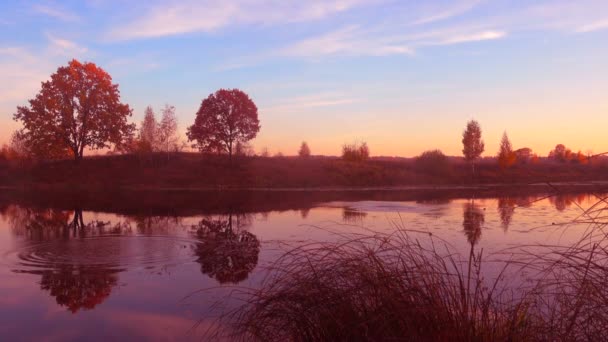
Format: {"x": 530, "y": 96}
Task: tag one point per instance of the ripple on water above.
{"x": 112, "y": 252}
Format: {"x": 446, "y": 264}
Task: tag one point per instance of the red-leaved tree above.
{"x": 225, "y": 117}
{"x": 78, "y": 108}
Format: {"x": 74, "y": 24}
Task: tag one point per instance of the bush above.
{"x": 434, "y": 163}
{"x": 355, "y": 152}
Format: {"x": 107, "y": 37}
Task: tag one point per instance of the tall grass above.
{"x": 379, "y": 287}
{"x": 406, "y": 286}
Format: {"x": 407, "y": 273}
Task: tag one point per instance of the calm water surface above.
{"x": 85, "y": 275}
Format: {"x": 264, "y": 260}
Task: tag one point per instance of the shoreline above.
{"x": 397, "y": 188}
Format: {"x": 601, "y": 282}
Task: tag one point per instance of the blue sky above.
{"x": 405, "y": 76}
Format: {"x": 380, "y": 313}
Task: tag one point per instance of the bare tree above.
{"x": 167, "y": 131}
{"x": 148, "y": 131}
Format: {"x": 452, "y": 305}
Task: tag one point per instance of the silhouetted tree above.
{"x": 304, "y": 150}
{"x": 524, "y": 155}
{"x": 433, "y": 162}
{"x": 167, "y": 130}
{"x": 225, "y": 251}
{"x": 506, "y": 156}
{"x": 473, "y": 145}
{"x": 225, "y": 117}
{"x": 560, "y": 153}
{"x": 78, "y": 108}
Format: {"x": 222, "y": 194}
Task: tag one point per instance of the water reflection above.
{"x": 226, "y": 251}
{"x": 64, "y": 269}
{"x": 506, "y": 209}
{"x": 78, "y": 287}
{"x": 564, "y": 201}
{"x": 353, "y": 216}
{"x": 37, "y": 225}
{"x": 474, "y": 218}
{"x": 155, "y": 225}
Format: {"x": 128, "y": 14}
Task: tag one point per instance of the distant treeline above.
{"x": 79, "y": 109}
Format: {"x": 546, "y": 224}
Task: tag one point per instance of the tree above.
{"x": 304, "y": 150}
{"x": 148, "y": 131}
{"x": 168, "y": 129}
{"x": 225, "y": 117}
{"x": 78, "y": 108}
{"x": 506, "y": 156}
{"x": 472, "y": 142}
{"x": 560, "y": 153}
{"x": 18, "y": 145}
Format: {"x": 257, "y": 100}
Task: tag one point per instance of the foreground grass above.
{"x": 405, "y": 286}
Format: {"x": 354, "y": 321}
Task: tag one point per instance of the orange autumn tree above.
{"x": 78, "y": 108}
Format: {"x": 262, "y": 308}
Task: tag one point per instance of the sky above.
{"x": 403, "y": 76}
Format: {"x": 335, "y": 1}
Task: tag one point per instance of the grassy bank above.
{"x": 192, "y": 170}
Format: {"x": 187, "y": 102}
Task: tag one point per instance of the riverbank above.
{"x": 192, "y": 171}
{"x": 179, "y": 202}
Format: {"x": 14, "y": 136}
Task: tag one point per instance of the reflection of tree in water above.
{"x": 78, "y": 287}
{"x": 150, "y": 225}
{"x": 304, "y": 213}
{"x": 226, "y": 251}
{"x": 73, "y": 286}
{"x": 473, "y": 221}
{"x": 506, "y": 209}
{"x": 37, "y": 224}
{"x": 563, "y": 201}
{"x": 353, "y": 216}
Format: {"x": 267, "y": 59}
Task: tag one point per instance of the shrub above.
{"x": 434, "y": 163}
{"x": 356, "y": 152}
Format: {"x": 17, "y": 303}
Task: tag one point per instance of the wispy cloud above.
{"x": 594, "y": 26}
{"x": 349, "y": 41}
{"x": 55, "y": 12}
{"x": 473, "y": 37}
{"x": 22, "y": 72}
{"x": 352, "y": 41}
{"x": 171, "y": 18}
{"x": 24, "y": 68}
{"x": 445, "y": 13}
{"x": 64, "y": 47}
{"x": 303, "y": 103}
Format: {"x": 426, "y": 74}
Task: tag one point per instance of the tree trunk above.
{"x": 230, "y": 152}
